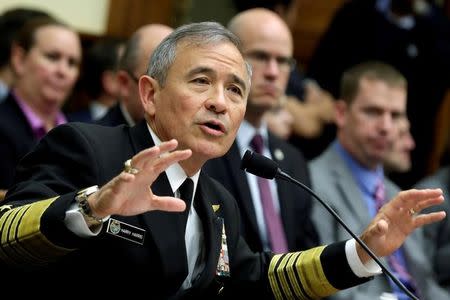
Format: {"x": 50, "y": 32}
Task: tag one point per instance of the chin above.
{"x": 211, "y": 152}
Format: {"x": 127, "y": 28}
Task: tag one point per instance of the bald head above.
{"x": 134, "y": 63}
{"x": 140, "y": 46}
{"x": 261, "y": 23}
{"x": 149, "y": 37}
{"x": 267, "y": 45}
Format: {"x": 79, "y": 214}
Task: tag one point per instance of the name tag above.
{"x": 126, "y": 231}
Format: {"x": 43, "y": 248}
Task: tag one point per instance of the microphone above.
{"x": 262, "y": 166}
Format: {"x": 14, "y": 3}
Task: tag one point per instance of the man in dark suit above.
{"x": 133, "y": 64}
{"x": 135, "y": 231}
{"x": 265, "y": 35}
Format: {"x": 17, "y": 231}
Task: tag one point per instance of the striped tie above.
{"x": 275, "y": 230}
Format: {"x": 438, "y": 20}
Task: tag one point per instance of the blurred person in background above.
{"x": 411, "y": 35}
{"x": 134, "y": 63}
{"x": 311, "y": 124}
{"x": 99, "y": 80}
{"x": 349, "y": 174}
{"x": 438, "y": 235}
{"x": 46, "y": 56}
{"x": 398, "y": 158}
{"x": 10, "y": 23}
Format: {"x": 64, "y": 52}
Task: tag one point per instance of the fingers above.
{"x": 153, "y": 152}
{"x": 159, "y": 158}
{"x": 168, "y": 204}
{"x": 417, "y": 199}
{"x": 424, "y": 219}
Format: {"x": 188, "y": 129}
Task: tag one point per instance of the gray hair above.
{"x": 199, "y": 34}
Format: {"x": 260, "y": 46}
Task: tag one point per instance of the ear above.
{"x": 341, "y": 109}
{"x": 18, "y": 56}
{"x": 148, "y": 90}
{"x": 124, "y": 82}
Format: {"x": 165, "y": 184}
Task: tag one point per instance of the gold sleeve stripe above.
{"x": 296, "y": 291}
{"x": 294, "y": 277}
{"x": 272, "y": 276}
{"x": 13, "y": 217}
{"x": 299, "y": 275}
{"x": 316, "y": 283}
{"x": 5, "y": 221}
{"x": 22, "y": 242}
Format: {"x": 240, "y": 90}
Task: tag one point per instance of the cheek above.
{"x": 237, "y": 114}
{"x": 42, "y": 71}
{"x": 283, "y": 80}
{"x": 75, "y": 72}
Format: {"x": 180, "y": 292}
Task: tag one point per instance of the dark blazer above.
{"x": 80, "y": 116}
{"x": 295, "y": 203}
{"x": 77, "y": 155}
{"x": 16, "y": 139}
{"x": 113, "y": 117}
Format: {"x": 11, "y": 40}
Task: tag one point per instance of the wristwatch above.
{"x": 84, "y": 208}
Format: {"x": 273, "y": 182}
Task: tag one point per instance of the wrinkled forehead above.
{"x": 217, "y": 54}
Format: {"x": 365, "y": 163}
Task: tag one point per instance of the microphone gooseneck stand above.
{"x": 262, "y": 166}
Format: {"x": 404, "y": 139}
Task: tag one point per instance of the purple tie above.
{"x": 395, "y": 260}
{"x": 272, "y": 219}
{"x": 379, "y": 194}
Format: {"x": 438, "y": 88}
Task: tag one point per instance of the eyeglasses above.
{"x": 285, "y": 63}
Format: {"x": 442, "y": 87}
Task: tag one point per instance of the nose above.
{"x": 62, "y": 67}
{"x": 386, "y": 123}
{"x": 271, "y": 68}
{"x": 217, "y": 101}
{"x": 410, "y": 143}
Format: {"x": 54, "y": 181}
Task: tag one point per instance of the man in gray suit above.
{"x": 349, "y": 176}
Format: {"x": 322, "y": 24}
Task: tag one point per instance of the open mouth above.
{"x": 215, "y": 126}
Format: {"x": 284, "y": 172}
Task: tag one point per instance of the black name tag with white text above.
{"x": 126, "y": 231}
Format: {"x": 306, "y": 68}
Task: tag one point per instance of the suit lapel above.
{"x": 347, "y": 187}
{"x": 212, "y": 229}
{"x": 240, "y": 179}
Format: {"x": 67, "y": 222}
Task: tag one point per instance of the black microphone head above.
{"x": 259, "y": 165}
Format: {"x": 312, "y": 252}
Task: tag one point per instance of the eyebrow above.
{"x": 206, "y": 70}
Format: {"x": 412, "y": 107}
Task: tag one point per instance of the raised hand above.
{"x": 398, "y": 218}
{"x": 130, "y": 194}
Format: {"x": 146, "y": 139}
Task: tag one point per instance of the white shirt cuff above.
{"x": 76, "y": 223}
{"x": 371, "y": 268}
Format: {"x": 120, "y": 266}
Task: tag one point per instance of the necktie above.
{"x": 275, "y": 231}
{"x": 396, "y": 261}
{"x": 186, "y": 190}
